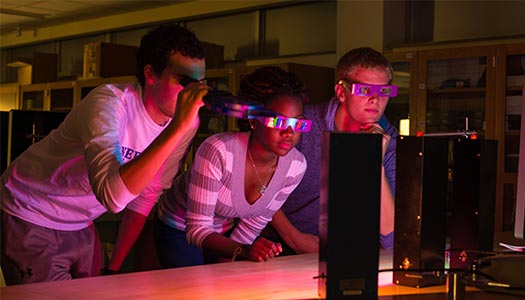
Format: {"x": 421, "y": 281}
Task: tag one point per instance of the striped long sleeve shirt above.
{"x": 211, "y": 197}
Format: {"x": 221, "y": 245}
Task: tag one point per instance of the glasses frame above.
{"x": 356, "y": 89}
{"x": 276, "y": 122}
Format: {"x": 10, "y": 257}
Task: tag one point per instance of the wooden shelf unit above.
{"x": 433, "y": 108}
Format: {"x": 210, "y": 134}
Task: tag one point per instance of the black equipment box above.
{"x": 349, "y": 215}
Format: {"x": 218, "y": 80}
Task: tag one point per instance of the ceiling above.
{"x": 32, "y": 14}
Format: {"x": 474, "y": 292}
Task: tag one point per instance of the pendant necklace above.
{"x": 263, "y": 186}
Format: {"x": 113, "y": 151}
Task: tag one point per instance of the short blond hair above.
{"x": 364, "y": 57}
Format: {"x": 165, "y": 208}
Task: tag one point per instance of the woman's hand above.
{"x": 262, "y": 250}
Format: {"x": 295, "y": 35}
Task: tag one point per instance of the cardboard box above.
{"x": 214, "y": 55}
{"x": 103, "y": 59}
{"x": 42, "y": 67}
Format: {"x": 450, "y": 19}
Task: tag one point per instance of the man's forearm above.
{"x": 130, "y": 229}
{"x": 387, "y": 206}
{"x": 138, "y": 173}
{"x": 284, "y": 227}
{"x": 300, "y": 242}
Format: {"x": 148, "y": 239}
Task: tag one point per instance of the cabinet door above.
{"x": 511, "y": 70}
{"x": 33, "y": 96}
{"x": 55, "y": 96}
{"x": 404, "y": 105}
{"x": 457, "y": 85}
{"x": 62, "y": 95}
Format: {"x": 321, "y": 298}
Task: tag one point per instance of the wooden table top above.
{"x": 290, "y": 277}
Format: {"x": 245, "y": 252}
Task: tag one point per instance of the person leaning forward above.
{"x": 116, "y": 150}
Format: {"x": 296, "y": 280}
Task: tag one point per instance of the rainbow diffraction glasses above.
{"x": 361, "y": 89}
{"x": 282, "y": 122}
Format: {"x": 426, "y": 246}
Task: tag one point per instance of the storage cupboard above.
{"x": 475, "y": 88}
{"x": 510, "y": 68}
{"x": 54, "y": 96}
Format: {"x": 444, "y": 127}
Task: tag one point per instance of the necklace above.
{"x": 263, "y": 186}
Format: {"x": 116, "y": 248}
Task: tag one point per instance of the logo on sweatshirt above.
{"x": 128, "y": 153}
{"x": 29, "y": 273}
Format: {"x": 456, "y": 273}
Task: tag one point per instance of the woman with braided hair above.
{"x": 238, "y": 180}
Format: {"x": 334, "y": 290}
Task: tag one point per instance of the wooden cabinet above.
{"x": 61, "y": 95}
{"x": 455, "y": 90}
{"x": 474, "y": 87}
{"x": 479, "y": 87}
{"x": 54, "y": 96}
{"x": 508, "y": 107}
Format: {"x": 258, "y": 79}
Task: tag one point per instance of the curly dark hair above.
{"x": 268, "y": 83}
{"x": 159, "y": 44}
{"x": 364, "y": 57}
